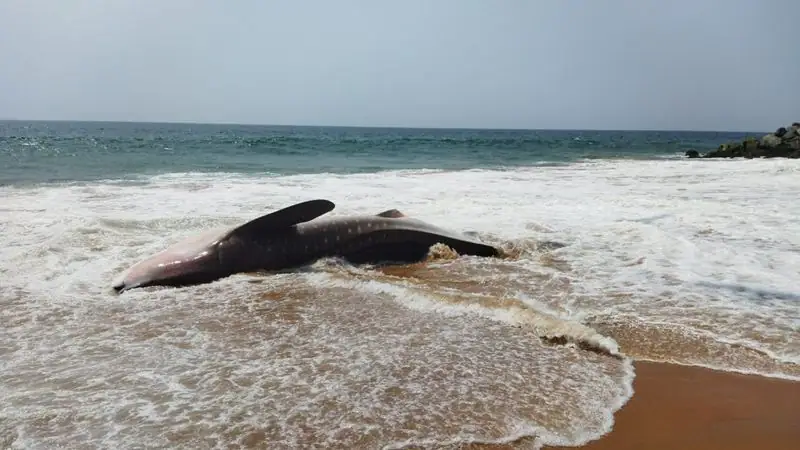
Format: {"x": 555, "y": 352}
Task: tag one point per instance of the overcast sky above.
{"x": 636, "y": 64}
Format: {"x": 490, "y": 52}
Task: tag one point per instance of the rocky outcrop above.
{"x": 783, "y": 143}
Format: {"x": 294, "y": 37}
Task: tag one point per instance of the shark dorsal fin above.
{"x": 283, "y": 219}
{"x": 391, "y": 214}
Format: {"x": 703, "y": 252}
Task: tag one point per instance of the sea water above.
{"x": 618, "y": 249}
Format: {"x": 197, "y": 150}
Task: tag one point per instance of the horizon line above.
{"x": 391, "y": 127}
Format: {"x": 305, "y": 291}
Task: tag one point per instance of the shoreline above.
{"x": 692, "y": 408}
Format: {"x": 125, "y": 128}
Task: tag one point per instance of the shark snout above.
{"x": 119, "y": 287}
{"x": 122, "y": 284}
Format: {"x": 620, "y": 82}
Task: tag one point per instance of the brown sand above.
{"x": 678, "y": 407}
{"x": 691, "y": 408}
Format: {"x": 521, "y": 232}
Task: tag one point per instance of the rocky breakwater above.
{"x": 783, "y": 143}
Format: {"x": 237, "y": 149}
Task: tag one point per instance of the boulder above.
{"x": 784, "y": 151}
{"x": 790, "y": 134}
{"x": 771, "y": 140}
{"x": 750, "y": 144}
{"x": 780, "y": 131}
{"x": 692, "y": 153}
{"x": 726, "y": 151}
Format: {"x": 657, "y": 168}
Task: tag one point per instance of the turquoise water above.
{"x": 37, "y": 152}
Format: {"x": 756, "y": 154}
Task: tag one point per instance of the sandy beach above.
{"x": 680, "y": 407}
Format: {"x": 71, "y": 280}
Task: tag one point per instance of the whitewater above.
{"x": 687, "y": 261}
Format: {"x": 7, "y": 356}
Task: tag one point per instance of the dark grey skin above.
{"x": 290, "y": 238}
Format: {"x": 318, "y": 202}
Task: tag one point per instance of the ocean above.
{"x": 620, "y": 249}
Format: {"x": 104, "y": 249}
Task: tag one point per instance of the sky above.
{"x": 726, "y": 65}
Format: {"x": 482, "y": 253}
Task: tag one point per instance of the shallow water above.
{"x": 694, "y": 262}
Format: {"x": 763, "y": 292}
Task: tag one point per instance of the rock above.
{"x": 783, "y": 151}
{"x": 750, "y": 144}
{"x": 783, "y": 143}
{"x": 726, "y": 151}
{"x": 771, "y": 140}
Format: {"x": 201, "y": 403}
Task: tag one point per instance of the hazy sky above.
{"x": 652, "y": 64}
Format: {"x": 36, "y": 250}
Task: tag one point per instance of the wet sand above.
{"x": 692, "y": 408}
{"x": 678, "y": 407}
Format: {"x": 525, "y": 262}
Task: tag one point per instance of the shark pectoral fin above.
{"x": 284, "y": 218}
{"x": 391, "y": 214}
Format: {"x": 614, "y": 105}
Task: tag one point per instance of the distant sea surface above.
{"x": 34, "y": 152}
{"x": 620, "y": 249}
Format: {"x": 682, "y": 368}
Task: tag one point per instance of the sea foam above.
{"x": 693, "y": 262}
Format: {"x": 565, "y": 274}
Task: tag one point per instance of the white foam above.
{"x": 545, "y": 325}
{"x": 220, "y": 363}
{"x": 706, "y": 246}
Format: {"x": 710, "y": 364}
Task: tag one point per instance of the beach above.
{"x": 682, "y": 407}
{"x": 618, "y": 250}
{"x": 694, "y": 408}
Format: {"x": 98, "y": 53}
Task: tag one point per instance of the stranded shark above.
{"x": 290, "y": 238}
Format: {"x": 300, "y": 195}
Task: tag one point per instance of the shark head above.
{"x": 187, "y": 262}
{"x": 210, "y": 255}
